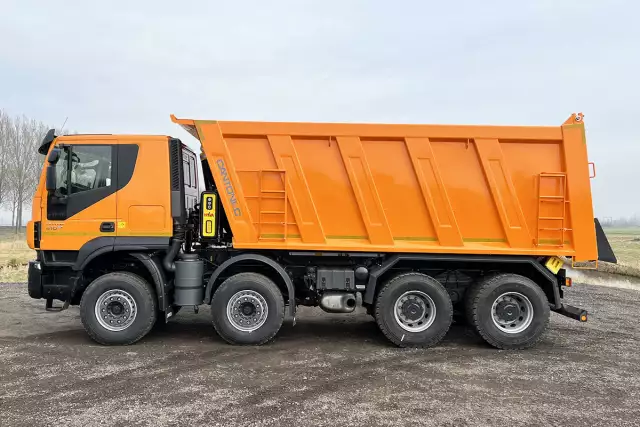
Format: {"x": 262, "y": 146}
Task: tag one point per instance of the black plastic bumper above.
{"x": 51, "y": 283}
{"x": 34, "y": 281}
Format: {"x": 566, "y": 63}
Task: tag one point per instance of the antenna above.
{"x": 65, "y": 122}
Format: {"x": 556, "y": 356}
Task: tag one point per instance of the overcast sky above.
{"x": 123, "y": 67}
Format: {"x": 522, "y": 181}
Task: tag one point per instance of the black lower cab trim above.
{"x": 51, "y": 283}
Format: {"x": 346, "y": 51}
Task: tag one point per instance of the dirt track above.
{"x": 328, "y": 370}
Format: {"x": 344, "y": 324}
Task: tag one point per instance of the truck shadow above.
{"x": 320, "y": 330}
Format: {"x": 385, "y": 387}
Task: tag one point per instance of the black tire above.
{"x": 145, "y": 308}
{"x": 391, "y": 325}
{"x": 254, "y": 283}
{"x": 479, "y": 311}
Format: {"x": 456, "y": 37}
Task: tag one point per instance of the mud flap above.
{"x": 605, "y": 253}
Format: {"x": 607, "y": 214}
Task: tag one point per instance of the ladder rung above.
{"x": 552, "y": 229}
{"x": 553, "y": 175}
{"x": 271, "y": 223}
{"x": 558, "y": 218}
{"x": 273, "y": 191}
{"x": 558, "y": 200}
{"x": 272, "y": 212}
{"x": 552, "y": 197}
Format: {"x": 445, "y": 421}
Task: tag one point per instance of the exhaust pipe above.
{"x": 176, "y": 244}
{"x": 338, "y": 302}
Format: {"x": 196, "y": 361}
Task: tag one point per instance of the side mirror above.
{"x": 51, "y": 177}
{"x": 54, "y": 156}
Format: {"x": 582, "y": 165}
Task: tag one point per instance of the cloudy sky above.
{"x": 123, "y": 67}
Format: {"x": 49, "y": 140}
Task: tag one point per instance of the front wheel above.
{"x": 508, "y": 311}
{"x": 118, "y": 308}
{"x": 413, "y": 310}
{"x": 247, "y": 308}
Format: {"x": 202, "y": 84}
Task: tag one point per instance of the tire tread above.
{"x": 136, "y": 281}
{"x": 472, "y": 300}
{"x": 259, "y": 278}
{"x": 382, "y": 325}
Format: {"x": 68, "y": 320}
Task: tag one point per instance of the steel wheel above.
{"x": 115, "y": 310}
{"x": 247, "y": 310}
{"x": 512, "y": 312}
{"x": 414, "y": 311}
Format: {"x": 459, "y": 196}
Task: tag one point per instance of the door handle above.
{"x": 108, "y": 227}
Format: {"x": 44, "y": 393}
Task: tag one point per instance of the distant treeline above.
{"x": 623, "y": 222}
{"x": 20, "y": 163}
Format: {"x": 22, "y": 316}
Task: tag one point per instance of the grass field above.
{"x": 626, "y": 245}
{"x": 15, "y": 254}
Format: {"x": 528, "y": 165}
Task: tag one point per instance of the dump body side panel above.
{"x": 403, "y": 188}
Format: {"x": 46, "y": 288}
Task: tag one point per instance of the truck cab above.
{"x": 102, "y": 194}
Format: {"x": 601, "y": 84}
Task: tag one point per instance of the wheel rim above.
{"x": 512, "y": 312}
{"x": 116, "y": 310}
{"x": 414, "y": 311}
{"x": 247, "y": 311}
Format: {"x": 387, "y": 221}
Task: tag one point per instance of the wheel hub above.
{"x": 512, "y": 312}
{"x": 247, "y": 308}
{"x": 115, "y": 310}
{"x": 247, "y": 311}
{"x": 414, "y": 311}
{"x": 508, "y": 311}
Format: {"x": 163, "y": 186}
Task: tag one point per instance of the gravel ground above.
{"x": 328, "y": 370}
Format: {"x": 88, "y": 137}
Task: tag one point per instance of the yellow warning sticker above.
{"x": 122, "y": 224}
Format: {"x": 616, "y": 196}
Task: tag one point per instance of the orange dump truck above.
{"x": 414, "y": 222}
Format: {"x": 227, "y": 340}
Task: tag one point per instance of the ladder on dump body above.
{"x": 274, "y": 217}
{"x": 552, "y": 225}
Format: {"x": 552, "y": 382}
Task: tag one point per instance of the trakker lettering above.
{"x": 228, "y": 188}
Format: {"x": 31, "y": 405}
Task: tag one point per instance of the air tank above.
{"x": 188, "y": 286}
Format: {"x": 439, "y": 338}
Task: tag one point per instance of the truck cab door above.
{"x": 83, "y": 205}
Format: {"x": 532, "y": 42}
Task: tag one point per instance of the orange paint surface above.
{"x": 403, "y": 188}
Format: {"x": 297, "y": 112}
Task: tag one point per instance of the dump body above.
{"x": 403, "y": 188}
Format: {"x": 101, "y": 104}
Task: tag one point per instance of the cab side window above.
{"x": 85, "y": 174}
{"x": 89, "y": 168}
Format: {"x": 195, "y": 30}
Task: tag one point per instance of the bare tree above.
{"x": 23, "y": 168}
{"x": 5, "y": 136}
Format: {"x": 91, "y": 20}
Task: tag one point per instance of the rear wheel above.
{"x": 248, "y": 308}
{"x": 413, "y": 310}
{"x": 509, "y": 311}
{"x": 118, "y": 308}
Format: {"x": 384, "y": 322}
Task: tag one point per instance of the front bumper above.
{"x": 34, "y": 281}
{"x": 51, "y": 282}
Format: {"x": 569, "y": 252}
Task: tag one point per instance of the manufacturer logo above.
{"x": 228, "y": 188}
{"x": 53, "y": 226}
